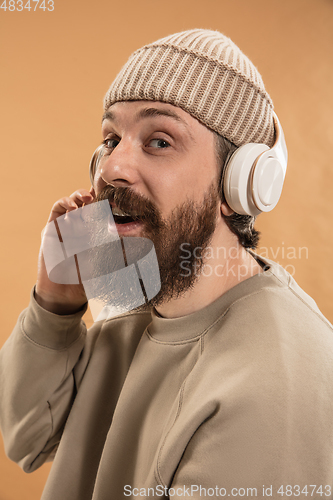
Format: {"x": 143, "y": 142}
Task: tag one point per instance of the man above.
{"x": 225, "y": 386}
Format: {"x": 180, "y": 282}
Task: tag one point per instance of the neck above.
{"x": 226, "y": 263}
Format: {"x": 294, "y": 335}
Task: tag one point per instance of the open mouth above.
{"x": 121, "y": 217}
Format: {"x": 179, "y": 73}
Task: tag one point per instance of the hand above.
{"x": 57, "y": 298}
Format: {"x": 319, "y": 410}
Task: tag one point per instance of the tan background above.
{"x": 56, "y": 67}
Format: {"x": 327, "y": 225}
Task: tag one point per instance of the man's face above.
{"x": 160, "y": 152}
{"x": 163, "y": 168}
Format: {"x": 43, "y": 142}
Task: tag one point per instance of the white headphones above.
{"x": 254, "y": 175}
{"x": 98, "y": 153}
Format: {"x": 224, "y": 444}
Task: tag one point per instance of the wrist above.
{"x": 57, "y": 307}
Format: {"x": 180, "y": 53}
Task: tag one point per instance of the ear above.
{"x": 226, "y": 210}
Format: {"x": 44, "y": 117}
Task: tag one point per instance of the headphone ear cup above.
{"x": 267, "y": 182}
{"x": 237, "y": 181}
{"x": 94, "y": 162}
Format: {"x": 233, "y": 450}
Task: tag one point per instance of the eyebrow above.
{"x": 108, "y": 115}
{"x": 150, "y": 112}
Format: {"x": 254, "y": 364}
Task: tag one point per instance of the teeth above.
{"x": 121, "y": 213}
{"x": 117, "y": 211}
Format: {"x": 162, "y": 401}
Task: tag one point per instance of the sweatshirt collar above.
{"x": 188, "y": 328}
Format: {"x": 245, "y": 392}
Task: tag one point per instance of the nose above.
{"x": 121, "y": 166}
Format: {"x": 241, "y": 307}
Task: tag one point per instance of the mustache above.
{"x": 132, "y": 203}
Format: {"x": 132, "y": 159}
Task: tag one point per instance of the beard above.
{"x": 190, "y": 223}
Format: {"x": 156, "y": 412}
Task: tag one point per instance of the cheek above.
{"x": 97, "y": 181}
{"x": 160, "y": 185}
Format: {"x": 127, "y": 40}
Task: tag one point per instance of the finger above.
{"x": 82, "y": 196}
{"x": 62, "y": 206}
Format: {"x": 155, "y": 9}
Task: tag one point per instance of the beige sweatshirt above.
{"x": 233, "y": 400}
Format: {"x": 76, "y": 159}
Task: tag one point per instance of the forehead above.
{"x": 136, "y": 111}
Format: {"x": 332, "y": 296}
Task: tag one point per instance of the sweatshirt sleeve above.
{"x": 37, "y": 385}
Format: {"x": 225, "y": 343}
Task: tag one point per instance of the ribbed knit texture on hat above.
{"x": 204, "y": 73}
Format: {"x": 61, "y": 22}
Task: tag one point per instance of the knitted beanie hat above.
{"x": 204, "y": 73}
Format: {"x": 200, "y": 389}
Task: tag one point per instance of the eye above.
{"x": 158, "y": 143}
{"x": 111, "y": 143}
